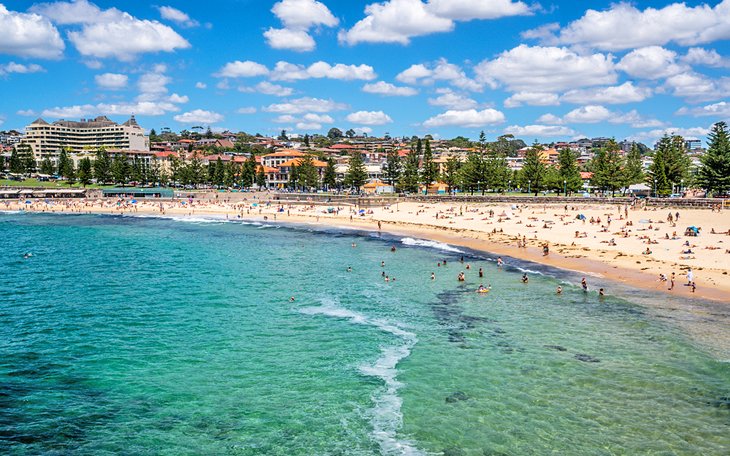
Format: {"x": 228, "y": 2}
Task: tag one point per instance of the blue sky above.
{"x": 546, "y": 71}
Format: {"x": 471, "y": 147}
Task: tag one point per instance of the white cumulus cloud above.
{"x": 546, "y": 69}
{"x": 397, "y": 21}
{"x": 538, "y": 131}
{"x": 719, "y": 110}
{"x": 247, "y": 110}
{"x": 242, "y": 69}
{"x": 268, "y": 88}
{"x": 285, "y": 71}
{"x": 177, "y": 16}
{"x": 305, "y": 105}
{"x": 298, "y": 17}
{"x": 439, "y": 71}
{"x": 531, "y": 99}
{"x": 369, "y": 118}
{"x": 111, "y": 33}
{"x": 652, "y": 62}
{"x": 469, "y": 118}
{"x": 624, "y": 93}
{"x": 388, "y": 89}
{"x": 623, "y": 26}
{"x": 111, "y": 81}
{"x": 294, "y": 40}
{"x": 199, "y": 116}
{"x": 28, "y": 35}
{"x": 452, "y": 100}
{"x": 12, "y": 67}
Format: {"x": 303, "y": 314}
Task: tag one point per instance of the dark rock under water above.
{"x": 586, "y": 358}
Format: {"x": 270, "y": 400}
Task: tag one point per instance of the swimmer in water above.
{"x": 524, "y": 278}
{"x": 481, "y": 273}
{"x": 600, "y": 292}
{"x": 349, "y": 269}
{"x": 499, "y": 262}
{"x": 584, "y": 284}
{"x": 433, "y": 276}
{"x": 354, "y": 245}
{"x": 559, "y": 290}
{"x": 382, "y": 264}
{"x": 468, "y": 266}
{"x": 461, "y": 277}
{"x": 387, "y": 279}
{"x": 481, "y": 289}
{"x": 291, "y": 299}
{"x": 392, "y": 249}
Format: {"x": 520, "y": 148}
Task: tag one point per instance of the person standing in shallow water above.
{"x": 584, "y": 284}
{"x": 524, "y": 278}
{"x": 481, "y": 273}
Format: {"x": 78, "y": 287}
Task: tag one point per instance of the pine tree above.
{"x": 26, "y": 158}
{"x": 261, "y": 177}
{"x": 568, "y": 172}
{"x": 633, "y": 172}
{"x": 329, "y": 179}
{"x": 670, "y": 166}
{"x": 607, "y": 168}
{"x": 120, "y": 169}
{"x": 63, "y": 160}
{"x": 220, "y": 172}
{"x": 451, "y": 173}
{"x": 429, "y": 172}
{"x": 229, "y": 174}
{"x": 470, "y": 173}
{"x": 46, "y": 166}
{"x": 293, "y": 177}
{"x": 409, "y": 176}
{"x": 308, "y": 173}
{"x": 356, "y": 174}
{"x": 84, "y": 173}
{"x": 392, "y": 169}
{"x": 102, "y": 166}
{"x": 248, "y": 172}
{"x": 534, "y": 171}
{"x": 16, "y": 164}
{"x": 714, "y": 172}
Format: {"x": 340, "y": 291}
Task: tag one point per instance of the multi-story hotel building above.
{"x": 47, "y": 139}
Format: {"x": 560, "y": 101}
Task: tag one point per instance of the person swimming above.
{"x": 481, "y": 273}
{"x": 584, "y": 284}
{"x": 392, "y": 248}
{"x": 433, "y": 276}
{"x": 559, "y": 290}
{"x": 482, "y": 289}
{"x": 524, "y": 278}
{"x": 349, "y": 269}
{"x": 291, "y": 299}
{"x": 499, "y": 262}
{"x": 601, "y": 292}
{"x": 461, "y": 277}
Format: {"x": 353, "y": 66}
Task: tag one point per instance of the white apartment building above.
{"x": 47, "y": 139}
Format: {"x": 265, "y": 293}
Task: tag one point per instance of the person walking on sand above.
{"x": 690, "y": 276}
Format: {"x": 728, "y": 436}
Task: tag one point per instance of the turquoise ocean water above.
{"x": 124, "y": 335}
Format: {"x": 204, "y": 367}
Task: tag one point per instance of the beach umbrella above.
{"x": 134, "y": 201}
{"x": 28, "y": 202}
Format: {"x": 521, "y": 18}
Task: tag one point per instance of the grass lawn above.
{"x": 47, "y": 184}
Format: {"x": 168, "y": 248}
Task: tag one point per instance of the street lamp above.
{"x": 509, "y": 186}
{"x": 479, "y": 183}
{"x": 565, "y": 188}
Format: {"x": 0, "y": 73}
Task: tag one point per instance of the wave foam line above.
{"x": 387, "y": 417}
{"x": 430, "y": 244}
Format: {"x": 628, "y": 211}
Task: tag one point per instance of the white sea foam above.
{"x": 197, "y": 219}
{"x": 431, "y": 244}
{"x": 386, "y": 416}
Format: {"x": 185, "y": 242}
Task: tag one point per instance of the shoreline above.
{"x": 703, "y": 315}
